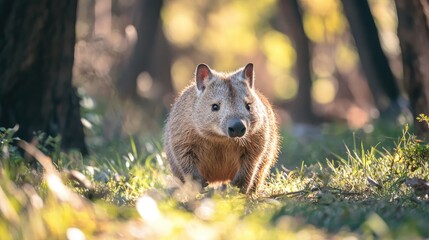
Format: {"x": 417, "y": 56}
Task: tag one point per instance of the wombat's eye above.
{"x": 248, "y": 106}
{"x": 215, "y": 107}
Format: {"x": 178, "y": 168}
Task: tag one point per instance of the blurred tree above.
{"x": 374, "y": 62}
{"x": 302, "y": 107}
{"x": 36, "y": 60}
{"x": 413, "y": 33}
{"x": 151, "y": 55}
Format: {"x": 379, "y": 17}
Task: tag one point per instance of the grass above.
{"x": 339, "y": 185}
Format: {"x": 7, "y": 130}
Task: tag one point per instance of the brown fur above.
{"x": 196, "y": 138}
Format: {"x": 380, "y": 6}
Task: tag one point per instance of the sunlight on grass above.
{"x": 349, "y": 196}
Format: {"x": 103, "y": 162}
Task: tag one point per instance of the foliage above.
{"x": 365, "y": 193}
{"x": 423, "y": 118}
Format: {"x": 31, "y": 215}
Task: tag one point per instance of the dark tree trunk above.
{"x": 302, "y": 107}
{"x": 374, "y": 62}
{"x": 151, "y": 54}
{"x": 413, "y": 35}
{"x": 36, "y": 59}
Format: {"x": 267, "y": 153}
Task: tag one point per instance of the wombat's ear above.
{"x": 248, "y": 74}
{"x": 201, "y": 74}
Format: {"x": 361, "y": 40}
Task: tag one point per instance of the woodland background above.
{"x": 318, "y": 61}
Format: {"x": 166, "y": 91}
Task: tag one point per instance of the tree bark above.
{"x": 302, "y": 106}
{"x": 413, "y": 33}
{"x": 374, "y": 62}
{"x": 36, "y": 59}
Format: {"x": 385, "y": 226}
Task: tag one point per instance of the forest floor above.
{"x": 336, "y": 184}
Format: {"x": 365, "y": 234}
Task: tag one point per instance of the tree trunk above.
{"x": 36, "y": 60}
{"x": 374, "y": 62}
{"x": 150, "y": 54}
{"x": 413, "y": 33}
{"x": 302, "y": 107}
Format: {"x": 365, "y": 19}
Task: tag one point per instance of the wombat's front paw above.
{"x": 196, "y": 176}
{"x": 224, "y": 190}
{"x": 223, "y": 187}
{"x": 240, "y": 183}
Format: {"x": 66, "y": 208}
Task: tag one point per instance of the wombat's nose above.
{"x": 236, "y": 128}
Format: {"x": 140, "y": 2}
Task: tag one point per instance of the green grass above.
{"x": 340, "y": 185}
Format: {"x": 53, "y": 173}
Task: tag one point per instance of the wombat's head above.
{"x": 226, "y": 104}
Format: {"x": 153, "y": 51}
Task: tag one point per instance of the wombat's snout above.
{"x": 236, "y": 128}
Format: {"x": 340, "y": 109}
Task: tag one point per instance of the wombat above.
{"x": 221, "y": 129}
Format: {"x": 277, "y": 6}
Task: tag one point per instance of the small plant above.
{"x": 12, "y": 164}
{"x": 423, "y": 119}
